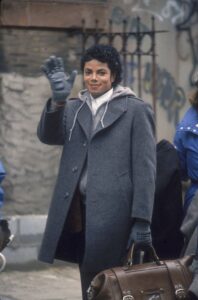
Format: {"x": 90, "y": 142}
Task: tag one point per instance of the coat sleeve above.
{"x": 190, "y": 221}
{"x": 143, "y": 162}
{"x": 51, "y": 126}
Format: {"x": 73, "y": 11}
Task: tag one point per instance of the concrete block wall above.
{"x": 27, "y": 231}
{"x": 31, "y": 166}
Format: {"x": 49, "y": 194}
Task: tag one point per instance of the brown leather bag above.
{"x": 156, "y": 280}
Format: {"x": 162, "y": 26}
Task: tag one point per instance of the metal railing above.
{"x": 131, "y": 46}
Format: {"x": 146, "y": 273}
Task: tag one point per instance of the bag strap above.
{"x": 177, "y": 278}
{"x": 123, "y": 283}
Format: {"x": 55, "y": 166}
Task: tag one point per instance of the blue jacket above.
{"x": 186, "y": 143}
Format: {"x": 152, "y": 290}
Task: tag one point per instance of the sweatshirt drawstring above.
{"x": 75, "y": 118}
{"x": 103, "y": 115}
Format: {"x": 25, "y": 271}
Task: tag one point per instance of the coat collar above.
{"x": 115, "y": 110}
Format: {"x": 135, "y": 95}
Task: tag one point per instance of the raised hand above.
{"x": 61, "y": 84}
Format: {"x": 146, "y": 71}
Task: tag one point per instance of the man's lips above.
{"x": 93, "y": 85}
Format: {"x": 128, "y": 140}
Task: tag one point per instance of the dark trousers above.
{"x": 85, "y": 276}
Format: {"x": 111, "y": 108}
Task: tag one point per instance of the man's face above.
{"x": 97, "y": 77}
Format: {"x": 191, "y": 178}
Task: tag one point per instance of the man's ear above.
{"x": 113, "y": 78}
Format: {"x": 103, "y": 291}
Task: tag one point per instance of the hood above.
{"x": 118, "y": 91}
{"x": 84, "y": 96}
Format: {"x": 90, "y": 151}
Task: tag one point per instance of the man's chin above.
{"x": 96, "y": 95}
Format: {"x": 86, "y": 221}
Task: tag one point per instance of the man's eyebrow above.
{"x": 102, "y": 68}
{"x": 98, "y": 70}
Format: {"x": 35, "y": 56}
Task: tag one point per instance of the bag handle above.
{"x": 149, "y": 249}
{"x": 120, "y": 273}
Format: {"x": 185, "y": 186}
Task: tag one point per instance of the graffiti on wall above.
{"x": 178, "y": 12}
{"x": 170, "y": 96}
{"x": 183, "y": 15}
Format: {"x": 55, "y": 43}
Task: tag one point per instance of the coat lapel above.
{"x": 115, "y": 110}
{"x": 85, "y": 120}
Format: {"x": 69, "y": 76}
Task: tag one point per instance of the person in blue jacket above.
{"x": 186, "y": 143}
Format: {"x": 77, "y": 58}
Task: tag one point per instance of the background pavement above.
{"x": 60, "y": 282}
{"x": 24, "y": 277}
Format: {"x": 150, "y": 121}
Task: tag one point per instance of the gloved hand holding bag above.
{"x": 140, "y": 234}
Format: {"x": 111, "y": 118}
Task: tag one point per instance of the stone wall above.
{"x": 31, "y": 166}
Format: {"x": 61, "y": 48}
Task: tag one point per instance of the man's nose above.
{"x": 94, "y": 76}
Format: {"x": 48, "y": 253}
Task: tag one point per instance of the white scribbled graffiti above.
{"x": 175, "y": 11}
{"x": 182, "y": 14}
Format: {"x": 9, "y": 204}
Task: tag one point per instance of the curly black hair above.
{"x": 106, "y": 54}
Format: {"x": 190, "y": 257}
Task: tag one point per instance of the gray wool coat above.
{"x": 121, "y": 165}
{"x": 189, "y": 229}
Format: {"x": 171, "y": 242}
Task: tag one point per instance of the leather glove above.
{"x": 61, "y": 85}
{"x": 140, "y": 234}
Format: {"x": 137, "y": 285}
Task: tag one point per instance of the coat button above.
{"x": 74, "y": 169}
{"x": 84, "y": 144}
{"x": 66, "y": 195}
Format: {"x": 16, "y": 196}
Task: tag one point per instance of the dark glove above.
{"x": 5, "y": 234}
{"x": 61, "y": 85}
{"x": 140, "y": 234}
